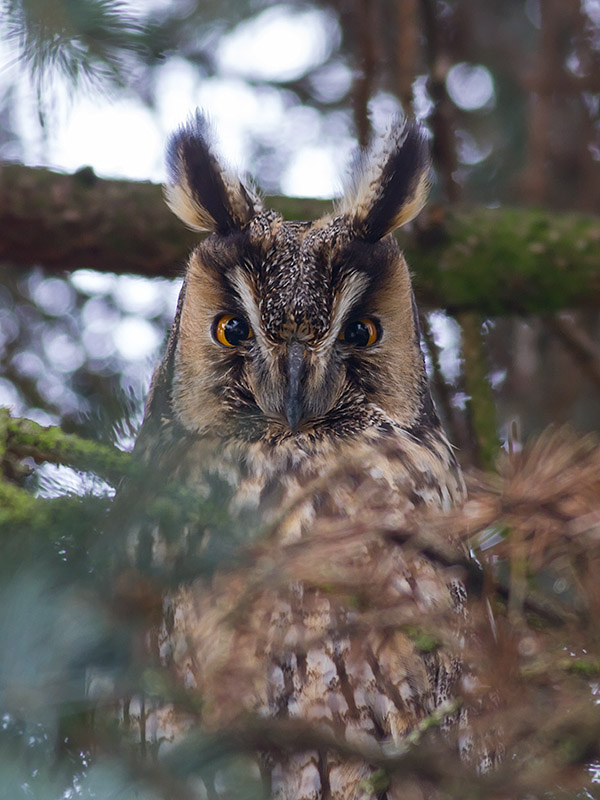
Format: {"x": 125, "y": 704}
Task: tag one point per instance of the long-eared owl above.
{"x": 294, "y": 382}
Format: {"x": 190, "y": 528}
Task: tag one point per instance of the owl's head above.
{"x": 296, "y": 328}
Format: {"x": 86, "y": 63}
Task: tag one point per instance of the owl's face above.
{"x": 296, "y": 328}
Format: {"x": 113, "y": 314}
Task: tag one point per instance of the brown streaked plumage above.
{"x": 318, "y": 425}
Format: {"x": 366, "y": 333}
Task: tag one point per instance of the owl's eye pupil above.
{"x": 360, "y": 333}
{"x": 231, "y": 330}
{"x": 236, "y": 330}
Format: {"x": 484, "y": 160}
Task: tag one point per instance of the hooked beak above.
{"x": 294, "y": 400}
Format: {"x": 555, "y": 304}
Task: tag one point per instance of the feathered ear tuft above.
{"x": 389, "y": 184}
{"x": 200, "y": 190}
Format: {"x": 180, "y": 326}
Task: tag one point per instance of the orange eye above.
{"x": 360, "y": 333}
{"x": 231, "y": 330}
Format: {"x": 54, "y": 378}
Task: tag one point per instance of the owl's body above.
{"x": 294, "y": 383}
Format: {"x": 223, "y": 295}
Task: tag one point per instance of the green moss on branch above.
{"x": 22, "y": 438}
{"x": 493, "y": 261}
{"x": 506, "y": 261}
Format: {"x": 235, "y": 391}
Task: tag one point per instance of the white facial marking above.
{"x": 244, "y": 289}
{"x": 353, "y": 286}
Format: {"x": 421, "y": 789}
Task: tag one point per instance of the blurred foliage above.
{"x": 81, "y": 40}
{"x": 75, "y": 613}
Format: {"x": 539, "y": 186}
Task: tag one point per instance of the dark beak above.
{"x": 294, "y": 401}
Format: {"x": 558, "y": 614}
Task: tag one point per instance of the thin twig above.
{"x": 482, "y": 407}
{"x": 444, "y": 150}
{"x": 441, "y": 388}
{"x": 406, "y": 51}
{"x": 365, "y": 80}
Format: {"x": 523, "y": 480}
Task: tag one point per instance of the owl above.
{"x": 293, "y": 395}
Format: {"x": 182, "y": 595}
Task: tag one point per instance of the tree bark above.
{"x": 493, "y": 261}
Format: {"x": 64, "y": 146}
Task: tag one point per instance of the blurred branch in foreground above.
{"x": 537, "y": 513}
{"x": 494, "y": 261}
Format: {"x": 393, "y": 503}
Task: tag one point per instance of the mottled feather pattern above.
{"x": 314, "y": 623}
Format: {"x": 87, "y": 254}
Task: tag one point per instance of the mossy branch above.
{"x": 23, "y": 438}
{"x": 493, "y": 261}
{"x": 506, "y": 260}
{"x": 17, "y": 505}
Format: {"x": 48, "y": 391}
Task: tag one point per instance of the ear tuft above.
{"x": 200, "y": 190}
{"x": 389, "y": 184}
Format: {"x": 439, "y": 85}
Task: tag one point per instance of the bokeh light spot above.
{"x": 135, "y": 338}
{"x": 138, "y": 295}
{"x": 311, "y": 173}
{"x": 90, "y": 282}
{"x": 54, "y": 296}
{"x": 279, "y": 44}
{"x": 9, "y": 396}
{"x": 470, "y": 86}
{"x": 64, "y": 353}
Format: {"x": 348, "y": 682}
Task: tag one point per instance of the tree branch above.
{"x": 494, "y": 261}
{"x": 22, "y": 438}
